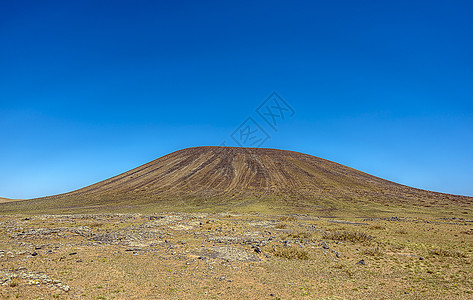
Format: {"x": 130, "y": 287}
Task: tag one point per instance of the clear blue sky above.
{"x": 90, "y": 89}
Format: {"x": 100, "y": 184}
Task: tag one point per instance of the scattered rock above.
{"x": 256, "y": 249}
{"x": 361, "y": 262}
{"x": 29, "y": 278}
{"x": 65, "y": 288}
{"x": 324, "y": 245}
{"x": 228, "y": 253}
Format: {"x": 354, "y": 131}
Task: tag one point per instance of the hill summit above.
{"x": 221, "y": 178}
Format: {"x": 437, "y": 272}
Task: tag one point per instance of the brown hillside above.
{"x": 219, "y": 176}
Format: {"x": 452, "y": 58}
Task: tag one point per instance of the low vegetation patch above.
{"x": 281, "y": 226}
{"x": 300, "y": 235}
{"x": 373, "y": 251}
{"x": 377, "y": 227}
{"x": 352, "y": 236}
{"x": 447, "y": 253}
{"x": 290, "y": 252}
{"x": 288, "y": 218}
{"x": 14, "y": 282}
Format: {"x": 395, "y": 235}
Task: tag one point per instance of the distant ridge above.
{"x": 4, "y": 200}
{"x": 229, "y": 178}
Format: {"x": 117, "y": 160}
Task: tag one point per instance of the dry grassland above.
{"x": 234, "y": 256}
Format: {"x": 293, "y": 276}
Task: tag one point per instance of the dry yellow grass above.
{"x": 447, "y": 253}
{"x": 289, "y": 252}
{"x": 224, "y": 256}
{"x": 352, "y": 236}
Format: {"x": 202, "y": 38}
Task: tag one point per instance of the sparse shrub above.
{"x": 373, "y": 251}
{"x": 14, "y": 282}
{"x": 344, "y": 268}
{"x": 300, "y": 235}
{"x": 398, "y": 247}
{"x": 401, "y": 231}
{"x": 280, "y": 226}
{"x": 290, "y": 252}
{"x": 352, "y": 236}
{"x": 288, "y": 218}
{"x": 377, "y": 227}
{"x": 447, "y": 253}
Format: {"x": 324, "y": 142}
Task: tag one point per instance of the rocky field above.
{"x": 230, "y": 256}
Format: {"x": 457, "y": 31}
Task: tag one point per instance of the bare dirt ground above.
{"x": 224, "y": 256}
